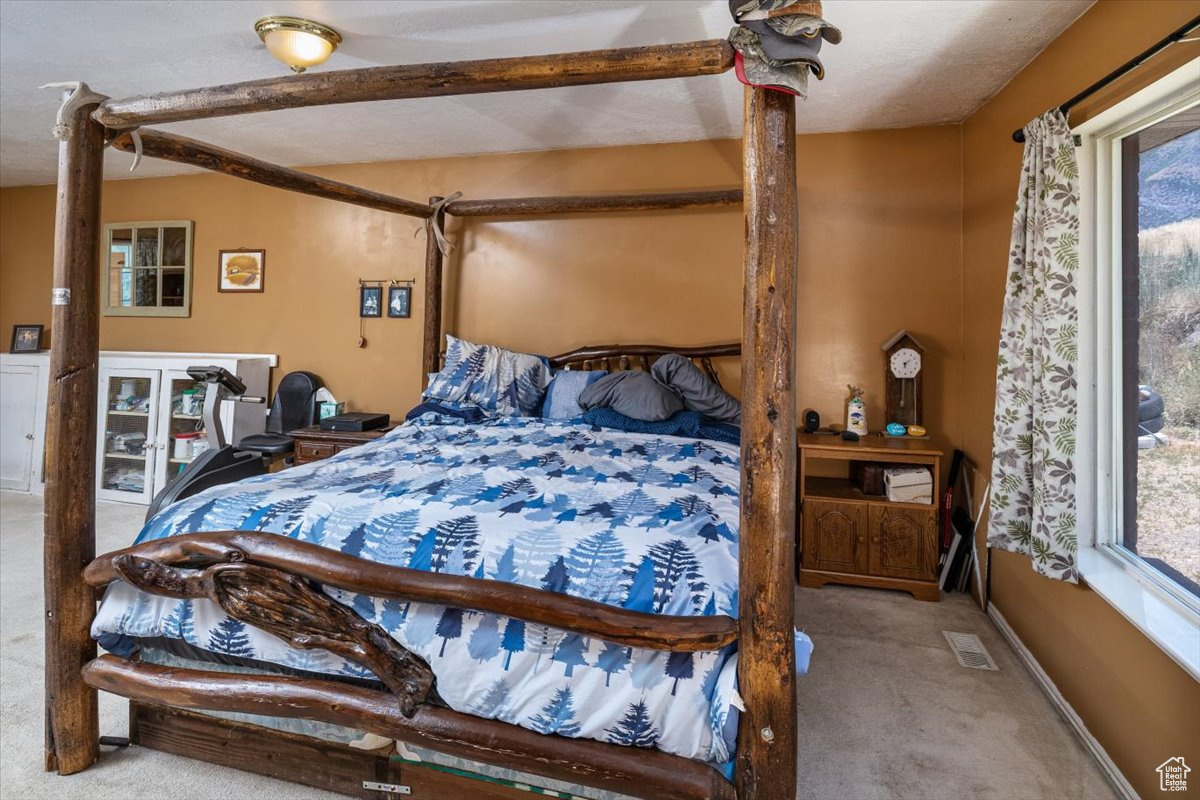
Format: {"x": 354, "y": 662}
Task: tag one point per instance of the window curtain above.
{"x": 1032, "y": 507}
{"x": 145, "y": 281}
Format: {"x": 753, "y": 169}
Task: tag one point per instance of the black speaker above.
{"x": 812, "y": 421}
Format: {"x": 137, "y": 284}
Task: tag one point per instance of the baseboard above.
{"x": 1118, "y": 781}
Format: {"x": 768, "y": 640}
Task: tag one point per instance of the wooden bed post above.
{"x": 431, "y": 346}
{"x": 72, "y": 720}
{"x": 766, "y": 762}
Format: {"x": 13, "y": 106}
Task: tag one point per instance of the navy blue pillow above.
{"x": 682, "y": 423}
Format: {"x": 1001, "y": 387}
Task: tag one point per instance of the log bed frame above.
{"x": 268, "y": 581}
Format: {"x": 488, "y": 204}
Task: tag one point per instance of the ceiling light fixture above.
{"x": 299, "y": 43}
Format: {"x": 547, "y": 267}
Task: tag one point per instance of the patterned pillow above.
{"x": 498, "y": 381}
{"x": 562, "y": 398}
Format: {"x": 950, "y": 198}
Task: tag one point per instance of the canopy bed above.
{"x": 285, "y": 587}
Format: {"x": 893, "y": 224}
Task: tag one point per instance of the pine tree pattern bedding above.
{"x": 497, "y": 382}
{"x": 638, "y": 521}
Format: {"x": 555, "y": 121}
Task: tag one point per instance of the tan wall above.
{"x": 881, "y": 249}
{"x": 1138, "y": 703}
{"x": 880, "y": 246}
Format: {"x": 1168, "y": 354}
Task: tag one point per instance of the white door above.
{"x": 126, "y": 446}
{"x": 18, "y": 406}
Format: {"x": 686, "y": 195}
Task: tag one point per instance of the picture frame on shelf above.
{"x": 370, "y": 301}
{"x": 26, "y": 339}
{"x": 241, "y": 270}
{"x": 399, "y": 302}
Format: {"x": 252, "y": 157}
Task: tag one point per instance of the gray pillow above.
{"x": 698, "y": 392}
{"x": 633, "y": 393}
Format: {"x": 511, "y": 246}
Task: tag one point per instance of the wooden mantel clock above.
{"x": 904, "y": 362}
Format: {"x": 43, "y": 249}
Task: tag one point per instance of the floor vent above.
{"x": 970, "y": 651}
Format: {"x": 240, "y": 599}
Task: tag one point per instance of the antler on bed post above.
{"x": 288, "y": 607}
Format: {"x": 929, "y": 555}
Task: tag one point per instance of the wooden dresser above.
{"x": 865, "y": 540}
{"x": 314, "y": 444}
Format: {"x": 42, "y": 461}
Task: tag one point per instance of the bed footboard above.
{"x": 268, "y": 581}
{"x": 628, "y": 770}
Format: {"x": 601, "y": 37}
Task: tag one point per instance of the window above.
{"x": 1140, "y": 361}
{"x": 148, "y": 269}
{"x": 1160, "y": 345}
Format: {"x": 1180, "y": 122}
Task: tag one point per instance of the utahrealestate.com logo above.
{"x": 1172, "y": 775}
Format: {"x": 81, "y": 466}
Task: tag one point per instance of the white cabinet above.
{"x": 144, "y": 409}
{"x": 24, "y": 383}
{"x": 130, "y": 408}
{"x": 150, "y": 412}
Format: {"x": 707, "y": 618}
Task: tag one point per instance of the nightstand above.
{"x": 865, "y": 540}
{"x": 314, "y": 444}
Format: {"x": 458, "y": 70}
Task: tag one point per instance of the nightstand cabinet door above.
{"x": 903, "y": 542}
{"x": 834, "y": 536}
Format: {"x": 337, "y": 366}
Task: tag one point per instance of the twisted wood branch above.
{"x": 289, "y": 607}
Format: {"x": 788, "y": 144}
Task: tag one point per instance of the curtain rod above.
{"x": 1018, "y": 135}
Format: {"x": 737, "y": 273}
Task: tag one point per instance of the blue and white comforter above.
{"x": 632, "y": 520}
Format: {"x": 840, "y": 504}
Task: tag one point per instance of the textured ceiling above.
{"x": 903, "y": 63}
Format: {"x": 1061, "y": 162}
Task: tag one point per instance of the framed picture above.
{"x": 26, "y": 339}
{"x": 241, "y": 270}
{"x": 370, "y": 301}
{"x": 400, "y": 302}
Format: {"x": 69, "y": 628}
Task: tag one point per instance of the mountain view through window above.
{"x": 1161, "y": 333}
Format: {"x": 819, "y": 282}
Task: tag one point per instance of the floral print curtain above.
{"x": 1032, "y": 509}
{"x": 145, "y": 281}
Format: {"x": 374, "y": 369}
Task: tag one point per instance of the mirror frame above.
{"x": 159, "y": 310}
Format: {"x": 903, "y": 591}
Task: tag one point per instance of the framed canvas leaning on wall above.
{"x": 26, "y": 339}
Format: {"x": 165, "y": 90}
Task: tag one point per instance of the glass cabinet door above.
{"x": 182, "y": 424}
{"x": 126, "y": 445}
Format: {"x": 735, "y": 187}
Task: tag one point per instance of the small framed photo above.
{"x": 400, "y": 302}
{"x": 370, "y": 301}
{"x": 241, "y": 270}
{"x": 26, "y": 339}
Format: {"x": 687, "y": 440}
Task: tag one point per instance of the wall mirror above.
{"x": 147, "y": 269}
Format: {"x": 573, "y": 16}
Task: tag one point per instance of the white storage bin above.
{"x": 908, "y": 485}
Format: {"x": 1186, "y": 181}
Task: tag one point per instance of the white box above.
{"x": 908, "y": 485}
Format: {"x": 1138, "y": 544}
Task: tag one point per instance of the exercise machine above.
{"x": 221, "y": 462}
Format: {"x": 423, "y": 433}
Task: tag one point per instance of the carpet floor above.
{"x": 886, "y": 712}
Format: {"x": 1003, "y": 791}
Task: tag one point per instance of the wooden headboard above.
{"x": 614, "y": 357}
